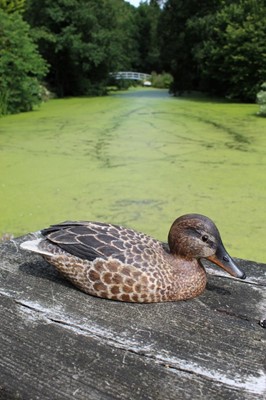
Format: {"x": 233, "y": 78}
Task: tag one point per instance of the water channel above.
{"x": 139, "y": 158}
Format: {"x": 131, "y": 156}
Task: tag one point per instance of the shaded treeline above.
{"x": 71, "y": 46}
{"x": 218, "y": 46}
{"x": 84, "y": 40}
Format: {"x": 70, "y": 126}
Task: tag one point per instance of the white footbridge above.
{"x": 135, "y": 76}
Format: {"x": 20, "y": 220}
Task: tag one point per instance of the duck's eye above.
{"x": 205, "y": 238}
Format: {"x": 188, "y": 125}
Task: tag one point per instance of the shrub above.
{"x": 261, "y": 100}
{"x": 123, "y": 84}
{"x": 161, "y": 81}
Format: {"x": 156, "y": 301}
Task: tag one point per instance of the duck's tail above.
{"x": 35, "y": 247}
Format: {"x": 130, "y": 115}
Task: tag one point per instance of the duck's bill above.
{"x": 223, "y": 260}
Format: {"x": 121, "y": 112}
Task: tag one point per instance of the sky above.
{"x": 134, "y": 2}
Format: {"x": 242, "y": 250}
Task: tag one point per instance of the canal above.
{"x": 139, "y": 158}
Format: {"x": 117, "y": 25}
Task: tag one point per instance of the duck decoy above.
{"x": 118, "y": 263}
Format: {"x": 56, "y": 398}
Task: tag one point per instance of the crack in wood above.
{"x": 261, "y": 322}
{"x": 232, "y": 314}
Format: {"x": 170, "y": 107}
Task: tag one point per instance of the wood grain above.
{"x": 59, "y": 343}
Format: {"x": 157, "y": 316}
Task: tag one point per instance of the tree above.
{"x": 82, "y": 40}
{"x": 21, "y": 66}
{"x": 232, "y": 55}
{"x": 178, "y": 40}
{"x": 10, "y": 6}
{"x": 219, "y": 46}
{"x": 125, "y": 36}
{"x": 147, "y": 19}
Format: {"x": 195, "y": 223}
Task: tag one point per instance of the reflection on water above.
{"x": 139, "y": 158}
{"x": 145, "y": 93}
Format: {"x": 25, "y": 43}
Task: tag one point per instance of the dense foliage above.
{"x": 214, "y": 46}
{"x": 11, "y": 6}
{"x": 82, "y": 40}
{"x": 21, "y": 66}
{"x": 146, "y": 27}
{"x": 219, "y": 47}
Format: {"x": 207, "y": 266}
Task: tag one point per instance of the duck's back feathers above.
{"x": 91, "y": 240}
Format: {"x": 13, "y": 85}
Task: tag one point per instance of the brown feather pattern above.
{"x": 118, "y": 263}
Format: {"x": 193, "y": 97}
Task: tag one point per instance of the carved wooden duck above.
{"x": 118, "y": 263}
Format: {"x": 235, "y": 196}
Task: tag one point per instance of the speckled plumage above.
{"x": 118, "y": 263}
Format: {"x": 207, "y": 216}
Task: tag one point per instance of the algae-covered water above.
{"x": 141, "y": 159}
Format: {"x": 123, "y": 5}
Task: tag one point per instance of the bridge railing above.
{"x": 136, "y": 76}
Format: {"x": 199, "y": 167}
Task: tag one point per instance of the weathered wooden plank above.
{"x": 57, "y": 342}
{"x": 51, "y": 361}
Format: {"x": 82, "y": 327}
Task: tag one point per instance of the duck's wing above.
{"x": 90, "y": 240}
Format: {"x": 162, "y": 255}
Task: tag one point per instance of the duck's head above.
{"x": 196, "y": 236}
